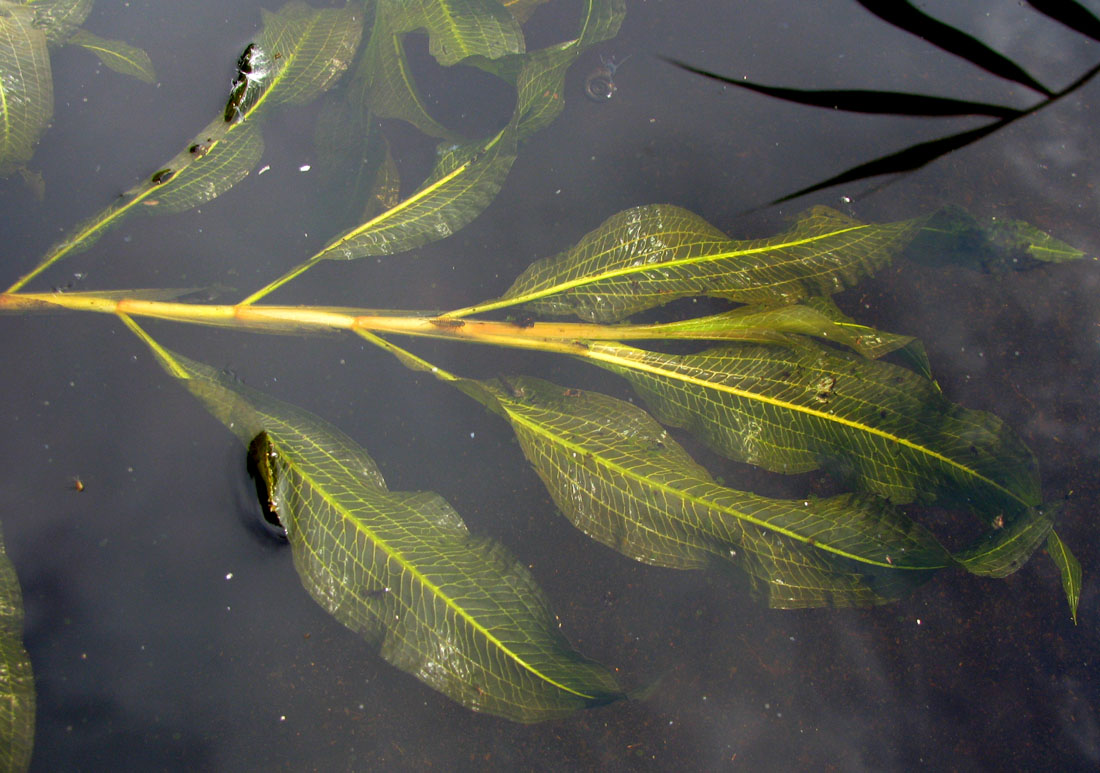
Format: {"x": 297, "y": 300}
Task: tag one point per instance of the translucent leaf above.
{"x": 59, "y": 18}
{"x": 212, "y": 172}
{"x": 302, "y": 52}
{"x": 878, "y": 425}
{"x": 457, "y": 29}
{"x": 26, "y": 86}
{"x": 17, "y": 698}
{"x": 458, "y": 612}
{"x": 118, "y": 56}
{"x": 621, "y": 479}
{"x": 650, "y": 255}
{"x": 466, "y": 178}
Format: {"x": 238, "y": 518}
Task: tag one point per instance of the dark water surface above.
{"x": 168, "y": 632}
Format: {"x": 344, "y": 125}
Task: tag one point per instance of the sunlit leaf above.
{"x": 59, "y": 18}
{"x": 301, "y": 52}
{"x": 466, "y": 178}
{"x": 877, "y": 425}
{"x": 212, "y": 172}
{"x": 521, "y": 10}
{"x": 458, "y": 29}
{"x": 17, "y": 698}
{"x": 650, "y": 255}
{"x": 26, "y": 85}
{"x": 621, "y": 479}
{"x": 459, "y": 612}
{"x": 118, "y": 56}
{"x": 1070, "y": 569}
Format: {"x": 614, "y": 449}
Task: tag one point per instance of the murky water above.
{"x": 168, "y": 631}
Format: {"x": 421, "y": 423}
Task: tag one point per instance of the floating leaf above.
{"x": 621, "y": 479}
{"x": 650, "y": 255}
{"x": 458, "y": 612}
{"x": 118, "y": 56}
{"x": 26, "y": 86}
{"x": 17, "y": 697}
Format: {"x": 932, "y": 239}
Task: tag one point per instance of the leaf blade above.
{"x": 650, "y": 255}
{"x": 458, "y": 612}
{"x": 26, "y": 86}
{"x": 117, "y": 55}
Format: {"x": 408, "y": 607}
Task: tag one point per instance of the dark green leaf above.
{"x": 621, "y": 479}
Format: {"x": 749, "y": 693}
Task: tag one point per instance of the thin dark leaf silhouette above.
{"x": 1073, "y": 15}
{"x": 954, "y": 41}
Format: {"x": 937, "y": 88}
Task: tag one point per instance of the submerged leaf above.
{"x": 650, "y": 255}
{"x": 954, "y": 236}
{"x": 59, "y": 18}
{"x": 880, "y": 426}
{"x": 118, "y": 56}
{"x": 302, "y": 51}
{"x": 458, "y": 612}
{"x": 622, "y": 480}
{"x": 1070, "y": 569}
{"x": 17, "y": 698}
{"x": 26, "y": 85}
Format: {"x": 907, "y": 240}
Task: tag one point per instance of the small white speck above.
{"x": 304, "y": 168}
{"x": 282, "y": 717}
{"x": 264, "y": 169}
{"x": 918, "y": 621}
{"x": 229, "y": 576}
{"x": 473, "y": 435}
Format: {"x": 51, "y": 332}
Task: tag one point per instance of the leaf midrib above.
{"x": 679, "y": 494}
{"x": 596, "y": 351}
{"x": 406, "y": 566}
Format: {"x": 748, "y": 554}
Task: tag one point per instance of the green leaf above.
{"x": 17, "y": 697}
{"x": 647, "y": 256}
{"x": 458, "y": 29}
{"x": 59, "y": 18}
{"x": 622, "y": 480}
{"x": 301, "y": 52}
{"x": 1070, "y": 569}
{"x": 953, "y": 236}
{"x": 465, "y": 180}
{"x": 880, "y": 426}
{"x": 26, "y": 86}
{"x": 118, "y": 56}
{"x": 307, "y": 50}
{"x": 210, "y": 173}
{"x": 458, "y": 612}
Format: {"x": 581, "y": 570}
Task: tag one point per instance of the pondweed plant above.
{"x": 789, "y": 383}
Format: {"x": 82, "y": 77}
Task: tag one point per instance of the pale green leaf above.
{"x": 26, "y": 86}
{"x": 1070, "y": 569}
{"x": 59, "y": 18}
{"x": 650, "y": 255}
{"x": 118, "y": 56}
{"x": 17, "y": 698}
{"x": 621, "y": 479}
{"x": 456, "y": 611}
{"x": 457, "y": 29}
